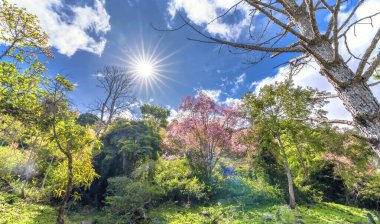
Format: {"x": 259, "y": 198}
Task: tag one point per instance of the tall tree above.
{"x": 155, "y": 114}
{"x": 202, "y": 130}
{"x": 72, "y": 140}
{"x": 274, "y": 113}
{"x": 21, "y": 33}
{"x": 117, "y": 83}
{"x": 318, "y": 39}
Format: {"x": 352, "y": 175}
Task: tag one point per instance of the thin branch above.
{"x": 357, "y": 22}
{"x": 243, "y": 46}
{"x": 350, "y": 16}
{"x": 277, "y": 21}
{"x": 336, "y": 40}
{"x": 374, "y": 83}
{"x": 226, "y": 12}
{"x": 313, "y": 20}
{"x": 367, "y": 54}
{"x": 372, "y": 68}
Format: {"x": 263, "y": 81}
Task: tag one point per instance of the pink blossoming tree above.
{"x": 203, "y": 129}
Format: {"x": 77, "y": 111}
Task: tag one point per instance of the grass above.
{"x": 14, "y": 210}
{"x": 230, "y": 214}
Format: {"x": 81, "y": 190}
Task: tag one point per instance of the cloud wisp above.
{"x": 71, "y": 27}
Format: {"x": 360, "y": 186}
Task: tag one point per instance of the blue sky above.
{"x": 85, "y": 35}
{"x": 192, "y": 65}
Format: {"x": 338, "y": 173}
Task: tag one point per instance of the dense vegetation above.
{"x": 271, "y": 157}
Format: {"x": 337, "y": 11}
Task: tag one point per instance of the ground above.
{"x": 14, "y": 210}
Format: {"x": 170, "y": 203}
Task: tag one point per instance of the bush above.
{"x": 176, "y": 178}
{"x": 128, "y": 200}
{"x": 247, "y": 192}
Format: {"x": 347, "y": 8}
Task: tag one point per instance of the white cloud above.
{"x": 69, "y": 26}
{"x": 309, "y": 76}
{"x": 238, "y": 82}
{"x": 202, "y": 12}
{"x": 212, "y": 93}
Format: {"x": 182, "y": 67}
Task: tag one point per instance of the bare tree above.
{"x": 117, "y": 84}
{"x": 303, "y": 21}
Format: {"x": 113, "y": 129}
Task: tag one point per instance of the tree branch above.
{"x": 372, "y": 68}
{"x": 367, "y": 54}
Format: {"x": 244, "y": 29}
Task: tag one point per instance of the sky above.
{"x": 86, "y": 35}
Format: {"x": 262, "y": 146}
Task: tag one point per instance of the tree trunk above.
{"x": 292, "y": 198}
{"x": 46, "y": 172}
{"x": 300, "y": 158}
{"x": 359, "y": 100}
{"x": 69, "y": 186}
{"x": 352, "y": 89}
{"x": 25, "y": 171}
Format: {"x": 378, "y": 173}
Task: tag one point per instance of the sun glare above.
{"x": 148, "y": 64}
{"x": 145, "y": 69}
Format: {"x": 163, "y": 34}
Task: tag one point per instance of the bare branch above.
{"x": 357, "y": 22}
{"x": 226, "y": 12}
{"x": 372, "y": 68}
{"x": 374, "y": 83}
{"x": 313, "y": 20}
{"x": 277, "y": 21}
{"x": 350, "y": 16}
{"x": 336, "y": 40}
{"x": 367, "y": 54}
{"x": 326, "y": 96}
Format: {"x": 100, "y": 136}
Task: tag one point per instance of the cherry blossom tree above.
{"x": 203, "y": 129}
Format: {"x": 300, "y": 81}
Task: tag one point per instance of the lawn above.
{"x": 14, "y": 210}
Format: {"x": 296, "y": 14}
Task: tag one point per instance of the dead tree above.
{"x": 117, "y": 84}
{"x": 302, "y": 21}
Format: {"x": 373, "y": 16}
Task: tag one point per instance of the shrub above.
{"x": 128, "y": 200}
{"x": 247, "y": 192}
{"x": 176, "y": 178}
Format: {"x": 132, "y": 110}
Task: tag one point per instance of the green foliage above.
{"x": 247, "y": 192}
{"x": 14, "y": 210}
{"x": 126, "y": 145}
{"x": 77, "y": 142}
{"x": 128, "y": 200}
{"x": 218, "y": 213}
{"x": 22, "y": 33}
{"x": 87, "y": 119}
{"x": 175, "y": 177}
{"x": 155, "y": 114}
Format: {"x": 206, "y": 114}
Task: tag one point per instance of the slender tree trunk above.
{"x": 300, "y": 158}
{"x": 69, "y": 186}
{"x": 46, "y": 173}
{"x": 292, "y": 198}
{"x": 25, "y": 171}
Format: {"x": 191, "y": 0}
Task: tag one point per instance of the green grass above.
{"x": 14, "y": 210}
{"x": 320, "y": 213}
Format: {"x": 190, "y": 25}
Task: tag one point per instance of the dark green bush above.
{"x": 128, "y": 200}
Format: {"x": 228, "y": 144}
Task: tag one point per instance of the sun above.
{"x": 145, "y": 69}
{"x": 149, "y": 67}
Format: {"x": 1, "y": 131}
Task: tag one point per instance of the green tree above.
{"x": 22, "y": 34}
{"x": 155, "y": 114}
{"x": 87, "y": 119}
{"x": 73, "y": 141}
{"x": 274, "y": 112}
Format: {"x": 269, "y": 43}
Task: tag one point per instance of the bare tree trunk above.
{"x": 351, "y": 88}
{"x": 292, "y": 198}
{"x": 69, "y": 186}
{"x": 359, "y": 100}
